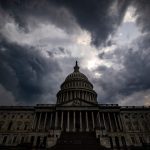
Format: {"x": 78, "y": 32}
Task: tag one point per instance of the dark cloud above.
{"x": 29, "y": 13}
{"x": 132, "y": 78}
{"x": 28, "y": 76}
{"x": 27, "y": 73}
{"x": 100, "y": 18}
{"x": 142, "y": 12}
{"x": 132, "y": 81}
{"x": 6, "y": 97}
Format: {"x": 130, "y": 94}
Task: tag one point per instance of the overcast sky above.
{"x": 41, "y": 39}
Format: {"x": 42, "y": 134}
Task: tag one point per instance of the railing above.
{"x": 134, "y": 107}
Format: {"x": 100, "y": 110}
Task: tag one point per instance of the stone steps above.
{"x": 77, "y": 141}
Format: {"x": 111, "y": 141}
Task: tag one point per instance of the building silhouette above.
{"x": 76, "y": 121}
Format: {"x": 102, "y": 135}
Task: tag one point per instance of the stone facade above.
{"x": 77, "y": 110}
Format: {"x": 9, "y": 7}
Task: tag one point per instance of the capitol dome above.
{"x": 76, "y": 86}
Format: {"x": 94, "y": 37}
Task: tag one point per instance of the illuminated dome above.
{"x": 76, "y": 86}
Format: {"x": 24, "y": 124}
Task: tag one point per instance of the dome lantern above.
{"x": 76, "y": 67}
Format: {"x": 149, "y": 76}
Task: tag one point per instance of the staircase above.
{"x": 78, "y": 141}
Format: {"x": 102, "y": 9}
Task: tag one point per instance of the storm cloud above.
{"x": 27, "y": 73}
{"x": 99, "y": 18}
{"x": 131, "y": 83}
{"x": 40, "y": 40}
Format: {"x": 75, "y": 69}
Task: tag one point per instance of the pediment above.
{"x": 77, "y": 102}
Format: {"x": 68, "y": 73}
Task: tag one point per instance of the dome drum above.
{"x": 67, "y": 95}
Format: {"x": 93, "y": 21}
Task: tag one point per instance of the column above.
{"x": 119, "y": 119}
{"x": 87, "y": 124}
{"x": 104, "y": 120}
{"x": 71, "y": 95}
{"x": 62, "y": 117}
{"x": 89, "y": 96}
{"x": 56, "y": 118}
{"x": 82, "y": 95}
{"x": 68, "y": 121}
{"x": 78, "y": 94}
{"x": 74, "y": 121}
{"x": 93, "y": 120}
{"x": 33, "y": 123}
{"x": 51, "y": 120}
{"x": 39, "y": 120}
{"x": 74, "y": 94}
{"x": 61, "y": 97}
{"x": 110, "y": 123}
{"x": 99, "y": 120}
{"x": 67, "y": 96}
{"x": 80, "y": 121}
{"x": 45, "y": 120}
{"x": 116, "y": 122}
{"x": 86, "y": 95}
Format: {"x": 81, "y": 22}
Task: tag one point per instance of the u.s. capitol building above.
{"x": 76, "y": 121}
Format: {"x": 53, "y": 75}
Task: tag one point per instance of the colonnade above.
{"x": 72, "y": 121}
{"x": 72, "y": 94}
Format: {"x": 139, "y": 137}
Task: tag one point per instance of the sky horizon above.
{"x": 40, "y": 40}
